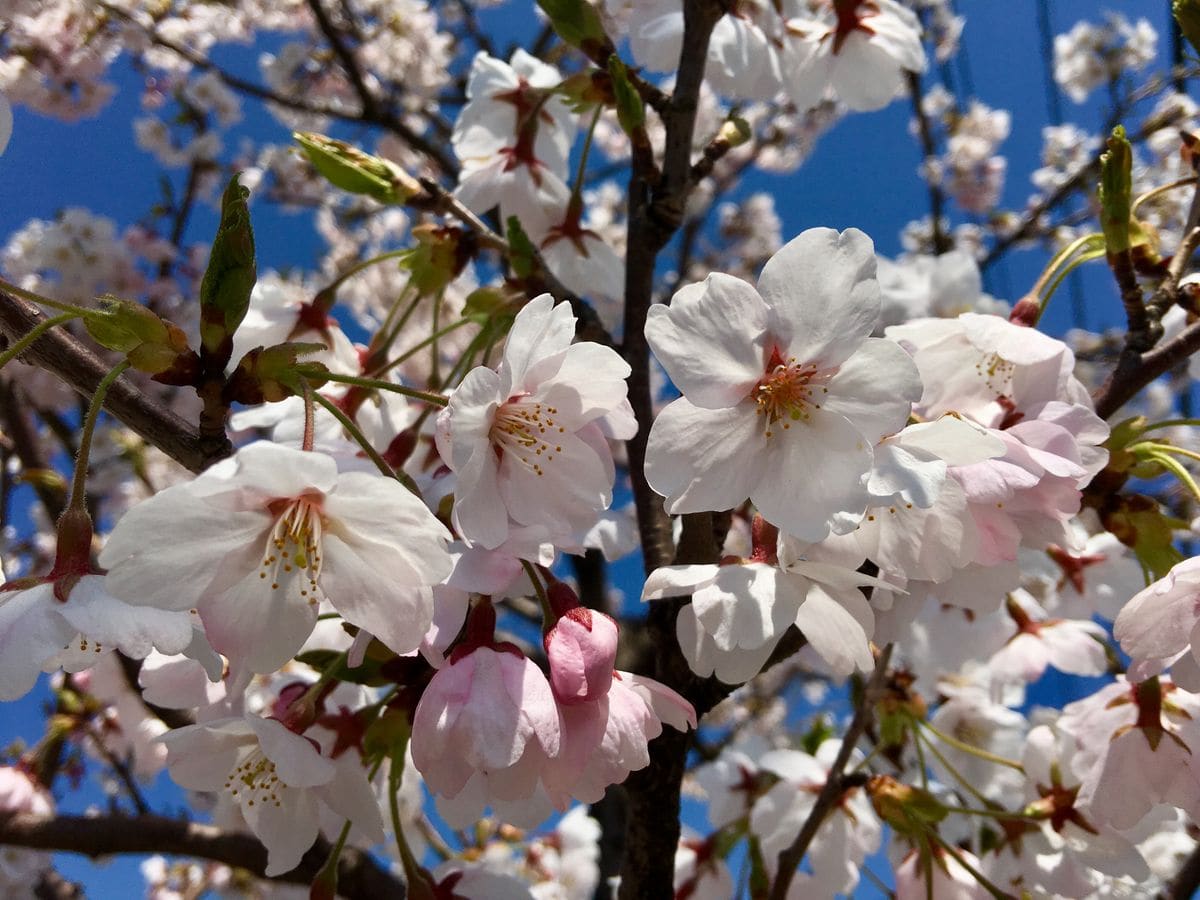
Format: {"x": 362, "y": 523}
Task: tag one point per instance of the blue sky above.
{"x": 862, "y": 174}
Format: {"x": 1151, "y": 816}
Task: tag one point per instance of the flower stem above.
{"x": 361, "y": 439}
{"x": 45, "y": 301}
{"x": 377, "y": 385}
{"x": 413, "y": 351}
{"x": 306, "y": 442}
{"x": 35, "y": 332}
{"x": 973, "y": 750}
{"x": 548, "y": 615}
{"x": 79, "y": 479}
{"x": 975, "y": 873}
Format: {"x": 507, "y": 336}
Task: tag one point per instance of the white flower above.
{"x": 278, "y": 779}
{"x": 784, "y": 392}
{"x": 528, "y": 441}
{"x": 258, "y": 540}
{"x": 39, "y": 632}
{"x": 857, "y": 50}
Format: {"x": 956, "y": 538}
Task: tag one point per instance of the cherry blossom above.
{"x": 784, "y": 392}
{"x": 273, "y": 531}
{"x": 278, "y": 780}
{"x": 527, "y": 441}
{"x": 858, "y": 50}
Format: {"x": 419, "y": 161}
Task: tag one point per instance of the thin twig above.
{"x": 834, "y": 785}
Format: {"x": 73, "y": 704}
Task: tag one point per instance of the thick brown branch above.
{"x": 359, "y": 876}
{"x": 63, "y": 356}
{"x": 1186, "y": 881}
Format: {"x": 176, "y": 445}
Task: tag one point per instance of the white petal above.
{"x": 836, "y": 631}
{"x": 875, "y": 388}
{"x": 296, "y": 760}
{"x": 823, "y": 295}
{"x": 710, "y": 340}
{"x": 704, "y": 459}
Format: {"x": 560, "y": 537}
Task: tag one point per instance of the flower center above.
{"x": 294, "y": 549}
{"x": 253, "y": 780}
{"x": 523, "y": 428}
{"x": 789, "y": 391}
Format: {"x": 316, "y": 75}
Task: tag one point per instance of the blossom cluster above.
{"x": 347, "y": 588}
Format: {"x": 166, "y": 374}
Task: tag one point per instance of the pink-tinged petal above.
{"x": 581, "y": 649}
{"x": 836, "y": 630}
{"x": 468, "y": 417}
{"x": 554, "y": 486}
{"x": 479, "y": 514}
{"x": 350, "y": 795}
{"x": 269, "y": 470}
{"x": 955, "y": 441}
{"x": 875, "y": 388}
{"x": 588, "y": 382}
{"x": 31, "y": 632}
{"x": 864, "y": 75}
{"x": 669, "y": 706}
{"x": 541, "y": 329}
{"x": 1158, "y": 622}
{"x": 748, "y": 605}
{"x": 287, "y": 830}
{"x": 260, "y": 626}
{"x": 676, "y": 581}
{"x": 704, "y": 459}
{"x": 710, "y": 340}
{"x": 814, "y": 478}
{"x": 823, "y": 295}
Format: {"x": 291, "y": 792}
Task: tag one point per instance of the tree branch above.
{"x": 359, "y": 876}
{"x": 835, "y": 785}
{"x": 74, "y": 364}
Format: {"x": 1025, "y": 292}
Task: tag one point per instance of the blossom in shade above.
{"x": 278, "y": 779}
{"x": 784, "y": 391}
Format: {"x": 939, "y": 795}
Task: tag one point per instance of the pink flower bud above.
{"x": 582, "y": 650}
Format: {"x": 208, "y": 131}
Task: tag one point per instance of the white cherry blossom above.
{"x": 270, "y": 532}
{"x": 784, "y": 392}
{"x": 527, "y": 441}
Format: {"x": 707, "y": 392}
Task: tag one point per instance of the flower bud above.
{"x": 582, "y": 650}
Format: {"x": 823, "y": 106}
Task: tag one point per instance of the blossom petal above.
{"x": 710, "y": 340}
{"x": 823, "y": 294}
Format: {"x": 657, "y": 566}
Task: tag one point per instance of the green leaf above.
{"x": 1116, "y": 186}
{"x": 578, "y": 24}
{"x": 229, "y": 278}
{"x": 1187, "y": 14}
{"x": 346, "y": 167}
{"x": 631, "y": 112}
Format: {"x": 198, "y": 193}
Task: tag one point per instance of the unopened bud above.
{"x": 345, "y": 166}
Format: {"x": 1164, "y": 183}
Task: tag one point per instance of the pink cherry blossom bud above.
{"x": 582, "y": 650}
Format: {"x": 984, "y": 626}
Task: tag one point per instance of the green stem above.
{"x": 306, "y": 442}
{"x": 363, "y": 264}
{"x": 1161, "y": 189}
{"x": 381, "y": 344}
{"x": 79, "y": 479}
{"x": 412, "y": 870}
{"x": 975, "y": 873}
{"x": 954, "y": 773}
{"x": 1175, "y": 468}
{"x": 973, "y": 750}
{"x": 353, "y": 430}
{"x": 577, "y": 188}
{"x": 548, "y": 616}
{"x": 375, "y": 385}
{"x": 413, "y": 351}
{"x": 35, "y": 332}
{"x": 1170, "y": 423}
{"x": 46, "y": 301}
